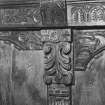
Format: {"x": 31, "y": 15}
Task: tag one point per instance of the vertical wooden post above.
{"x": 58, "y": 66}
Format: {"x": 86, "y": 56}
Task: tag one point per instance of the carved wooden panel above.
{"x": 40, "y": 14}
{"x": 21, "y": 15}
{"x": 58, "y": 65}
{"x": 5, "y": 73}
{"x": 53, "y": 12}
{"x": 45, "y": 74}
{"x": 89, "y": 55}
{"x": 86, "y": 13}
{"x": 27, "y": 80}
{"x": 87, "y": 44}
{"x": 89, "y": 85}
{"x": 23, "y": 40}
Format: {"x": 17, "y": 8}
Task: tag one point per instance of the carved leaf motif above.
{"x": 24, "y": 40}
{"x": 56, "y": 35}
{"x": 58, "y": 62}
{"x": 21, "y": 15}
{"x": 86, "y": 44}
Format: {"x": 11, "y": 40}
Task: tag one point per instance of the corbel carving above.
{"x": 87, "y": 44}
{"x": 57, "y": 47}
{"x": 58, "y": 65}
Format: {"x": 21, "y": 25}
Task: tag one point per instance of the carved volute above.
{"x": 58, "y": 65}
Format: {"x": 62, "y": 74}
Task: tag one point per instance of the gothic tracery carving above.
{"x": 97, "y": 14}
{"x": 86, "y": 13}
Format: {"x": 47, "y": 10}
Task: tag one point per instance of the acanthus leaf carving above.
{"x": 58, "y": 62}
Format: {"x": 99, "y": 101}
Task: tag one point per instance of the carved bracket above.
{"x": 87, "y": 44}
{"x": 58, "y": 65}
{"x": 58, "y": 50}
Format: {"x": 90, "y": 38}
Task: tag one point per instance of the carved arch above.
{"x": 97, "y": 13}
{"x": 93, "y": 55}
{"x": 79, "y": 15}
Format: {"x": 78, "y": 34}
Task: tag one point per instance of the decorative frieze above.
{"x": 23, "y": 40}
{"x": 48, "y": 13}
{"x": 56, "y": 35}
{"x": 86, "y": 13}
{"x": 21, "y": 15}
{"x": 58, "y": 65}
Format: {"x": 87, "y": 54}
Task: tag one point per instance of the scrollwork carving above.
{"x": 22, "y": 15}
{"x": 86, "y": 44}
{"x": 58, "y": 65}
{"x": 58, "y": 71}
{"x": 23, "y": 40}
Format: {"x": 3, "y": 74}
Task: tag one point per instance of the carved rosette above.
{"x": 58, "y": 65}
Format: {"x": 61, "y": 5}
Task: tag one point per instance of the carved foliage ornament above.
{"x": 33, "y": 40}
{"x": 87, "y": 44}
{"x": 23, "y": 40}
{"x": 57, "y": 47}
{"x": 22, "y": 15}
{"x": 58, "y": 64}
{"x": 42, "y": 14}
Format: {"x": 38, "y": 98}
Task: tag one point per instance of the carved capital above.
{"x": 58, "y": 65}
{"x": 58, "y": 57}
